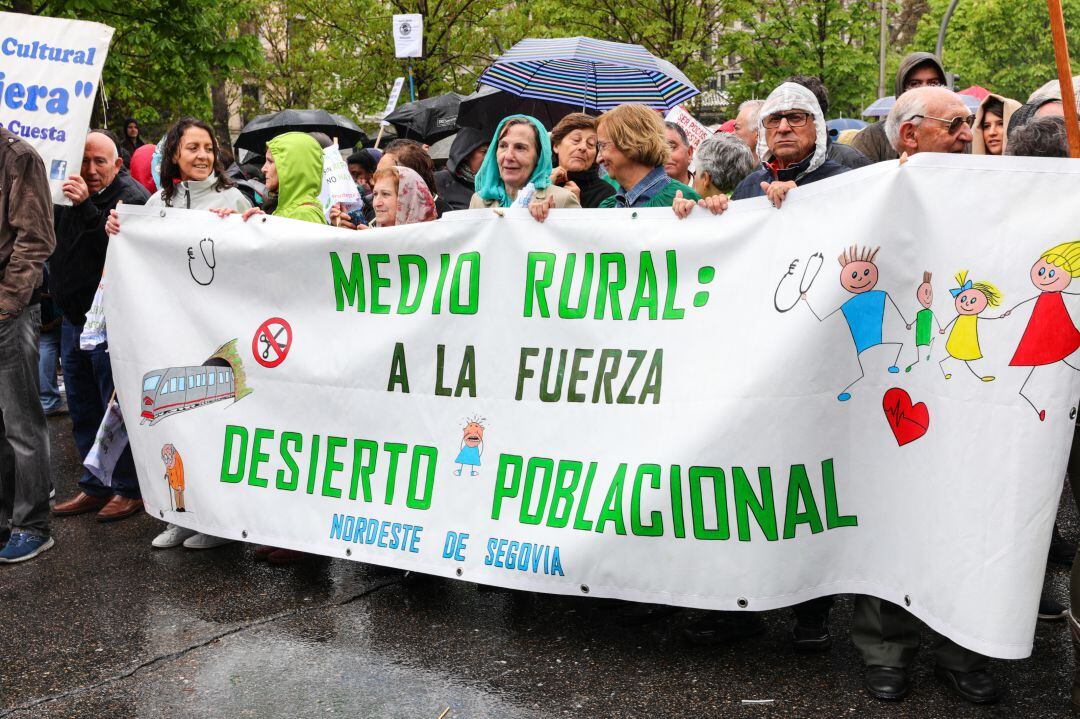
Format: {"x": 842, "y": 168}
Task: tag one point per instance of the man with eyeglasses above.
{"x": 918, "y": 69}
{"x": 791, "y": 144}
{"x": 929, "y": 119}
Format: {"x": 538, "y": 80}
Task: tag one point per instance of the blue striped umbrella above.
{"x": 587, "y": 73}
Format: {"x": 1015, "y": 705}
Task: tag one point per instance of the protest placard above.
{"x": 49, "y": 74}
{"x": 862, "y": 392}
{"x": 409, "y": 35}
{"x": 337, "y": 183}
{"x": 395, "y": 93}
{"x": 696, "y": 133}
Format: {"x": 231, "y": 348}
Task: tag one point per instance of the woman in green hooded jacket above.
{"x": 294, "y": 169}
{"x": 517, "y": 170}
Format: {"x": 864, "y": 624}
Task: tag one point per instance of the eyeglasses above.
{"x": 954, "y": 124}
{"x": 922, "y": 83}
{"x": 794, "y": 119}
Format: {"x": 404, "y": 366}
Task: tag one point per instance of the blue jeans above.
{"x": 89, "y": 384}
{"x": 24, "y": 436}
{"x": 49, "y": 346}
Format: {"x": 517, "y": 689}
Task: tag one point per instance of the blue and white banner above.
{"x": 49, "y": 74}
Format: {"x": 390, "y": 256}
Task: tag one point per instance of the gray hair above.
{"x": 1040, "y": 137}
{"x": 755, "y": 109}
{"x": 726, "y": 158}
{"x": 907, "y": 106}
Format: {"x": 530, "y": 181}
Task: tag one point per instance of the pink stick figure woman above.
{"x": 1050, "y": 335}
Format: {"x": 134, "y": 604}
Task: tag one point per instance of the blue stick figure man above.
{"x": 472, "y": 446}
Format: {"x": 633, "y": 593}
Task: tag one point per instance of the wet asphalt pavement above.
{"x": 104, "y": 626}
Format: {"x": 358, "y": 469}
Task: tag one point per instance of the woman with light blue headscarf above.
{"x": 517, "y": 170}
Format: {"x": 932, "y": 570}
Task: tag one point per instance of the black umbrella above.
{"x": 427, "y": 120}
{"x": 263, "y": 128}
{"x": 486, "y": 107}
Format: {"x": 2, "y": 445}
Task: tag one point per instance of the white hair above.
{"x": 912, "y": 103}
{"x": 755, "y": 110}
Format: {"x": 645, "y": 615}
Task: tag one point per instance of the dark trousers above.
{"x": 89, "y": 384}
{"x": 24, "y": 435}
{"x": 888, "y": 636}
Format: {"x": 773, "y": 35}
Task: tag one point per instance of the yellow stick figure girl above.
{"x": 971, "y": 298}
{"x": 1050, "y": 335}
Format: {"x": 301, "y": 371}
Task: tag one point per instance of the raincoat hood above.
{"x": 1011, "y": 106}
{"x": 489, "y": 184}
{"x": 140, "y": 167}
{"x": 909, "y": 63}
{"x": 467, "y": 140}
{"x": 790, "y": 96}
{"x": 1051, "y": 92}
{"x": 299, "y": 161}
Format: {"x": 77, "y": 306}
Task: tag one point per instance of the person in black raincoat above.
{"x": 455, "y": 181}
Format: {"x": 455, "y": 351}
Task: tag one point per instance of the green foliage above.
{"x": 1003, "y": 45}
{"x": 165, "y": 54}
{"x": 836, "y": 40}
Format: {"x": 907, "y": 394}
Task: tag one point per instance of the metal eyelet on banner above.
{"x": 633, "y": 215}
{"x": 161, "y": 213}
{"x": 161, "y": 513}
{"x": 584, "y": 588}
{"x": 264, "y": 218}
{"x": 907, "y": 600}
{"x": 1072, "y": 413}
{"x": 742, "y": 602}
{"x": 243, "y": 533}
{"x": 459, "y": 571}
{"x": 348, "y": 552}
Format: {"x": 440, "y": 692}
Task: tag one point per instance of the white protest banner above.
{"x": 621, "y": 404}
{"x": 409, "y": 35}
{"x": 395, "y": 93}
{"x": 49, "y": 74}
{"x": 337, "y": 183}
{"x": 696, "y": 133}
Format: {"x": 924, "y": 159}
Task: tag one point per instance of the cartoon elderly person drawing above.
{"x": 174, "y": 475}
{"x": 472, "y": 446}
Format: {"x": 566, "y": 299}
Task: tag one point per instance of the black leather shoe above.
{"x": 722, "y": 627}
{"x": 810, "y": 637}
{"x": 977, "y": 687}
{"x": 888, "y": 683}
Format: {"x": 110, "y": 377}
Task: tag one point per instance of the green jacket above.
{"x": 664, "y": 198}
{"x": 299, "y": 161}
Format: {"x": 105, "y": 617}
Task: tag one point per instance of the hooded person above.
{"x": 516, "y": 171}
{"x": 294, "y": 161}
{"x": 140, "y": 167}
{"x": 1044, "y": 101}
{"x": 916, "y": 70}
{"x": 991, "y": 119}
{"x": 456, "y": 182}
{"x": 792, "y": 145}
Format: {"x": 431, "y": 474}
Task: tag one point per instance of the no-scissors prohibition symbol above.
{"x": 271, "y": 343}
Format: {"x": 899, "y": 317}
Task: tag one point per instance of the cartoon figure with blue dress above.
{"x": 472, "y": 446}
{"x": 970, "y": 299}
{"x": 865, "y": 311}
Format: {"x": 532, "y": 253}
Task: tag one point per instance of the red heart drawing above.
{"x": 908, "y": 421}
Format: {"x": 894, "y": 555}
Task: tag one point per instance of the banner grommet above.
{"x": 907, "y": 600}
{"x": 584, "y": 588}
{"x": 743, "y": 602}
{"x": 459, "y": 571}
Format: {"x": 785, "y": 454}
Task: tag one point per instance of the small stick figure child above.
{"x": 174, "y": 475}
{"x": 971, "y": 298}
{"x": 472, "y": 446}
{"x": 924, "y": 333}
{"x": 1050, "y": 336}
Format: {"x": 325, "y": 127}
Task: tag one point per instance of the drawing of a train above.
{"x": 176, "y": 389}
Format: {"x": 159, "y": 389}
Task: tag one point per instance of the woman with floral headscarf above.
{"x": 517, "y": 170}
{"x": 400, "y": 197}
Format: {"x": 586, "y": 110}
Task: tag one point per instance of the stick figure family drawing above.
{"x": 1049, "y": 337}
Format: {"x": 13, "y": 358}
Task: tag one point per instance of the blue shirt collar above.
{"x": 644, "y": 190}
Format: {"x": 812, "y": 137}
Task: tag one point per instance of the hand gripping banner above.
{"x": 871, "y": 390}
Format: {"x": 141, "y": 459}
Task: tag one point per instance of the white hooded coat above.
{"x": 785, "y": 98}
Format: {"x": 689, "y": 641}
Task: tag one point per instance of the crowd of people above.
{"x": 52, "y": 262}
